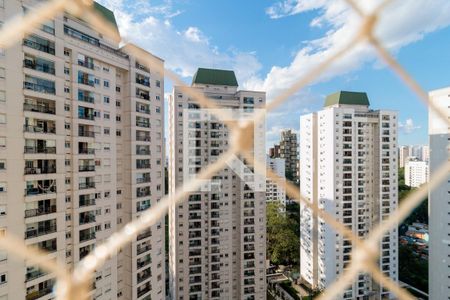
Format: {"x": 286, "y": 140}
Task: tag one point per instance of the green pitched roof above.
{"x": 107, "y": 14}
{"x": 349, "y": 98}
{"x": 215, "y": 77}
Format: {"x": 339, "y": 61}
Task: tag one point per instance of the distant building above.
{"x": 403, "y": 153}
{"x": 288, "y": 150}
{"x": 439, "y": 209}
{"x": 349, "y": 170}
{"x": 275, "y": 192}
{"x": 416, "y": 172}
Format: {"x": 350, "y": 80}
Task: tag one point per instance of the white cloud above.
{"x": 401, "y": 23}
{"x": 184, "y": 50}
{"x": 408, "y": 127}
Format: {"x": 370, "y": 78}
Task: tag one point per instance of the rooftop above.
{"x": 347, "y": 98}
{"x": 214, "y": 77}
{"x": 107, "y": 14}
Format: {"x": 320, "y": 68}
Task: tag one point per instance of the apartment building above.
{"x": 416, "y": 172}
{"x": 348, "y": 169}
{"x": 439, "y": 205}
{"x": 218, "y": 235}
{"x": 403, "y": 153}
{"x": 288, "y": 150}
{"x": 275, "y": 192}
{"x": 81, "y": 150}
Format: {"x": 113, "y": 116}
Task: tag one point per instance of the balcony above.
{"x": 82, "y": 168}
{"x": 39, "y": 44}
{"x": 40, "y": 189}
{"x": 143, "y": 164}
{"x": 42, "y": 108}
{"x": 42, "y": 128}
{"x": 34, "y": 274}
{"x": 39, "y": 87}
{"x": 40, "y": 170}
{"x": 144, "y": 80}
{"x": 143, "y": 138}
{"x": 141, "y": 67}
{"x": 87, "y": 63}
{"x": 143, "y": 289}
{"x": 144, "y": 179}
{"x": 147, "y": 233}
{"x": 86, "y": 133}
{"x": 143, "y": 151}
{"x": 87, "y": 217}
{"x": 144, "y": 275}
{"x": 143, "y": 192}
{"x": 86, "y": 200}
{"x": 44, "y": 210}
{"x": 41, "y": 66}
{"x": 86, "y": 185}
{"x": 142, "y": 94}
{"x": 41, "y": 230}
{"x": 84, "y": 237}
{"x": 85, "y": 96}
{"x": 144, "y": 124}
{"x": 143, "y": 249}
{"x": 38, "y": 294}
{"x": 143, "y": 261}
{"x": 39, "y": 150}
{"x": 86, "y": 151}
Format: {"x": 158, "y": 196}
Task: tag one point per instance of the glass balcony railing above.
{"x": 45, "y": 210}
{"x": 86, "y": 168}
{"x": 32, "y": 295}
{"x": 86, "y": 185}
{"x": 40, "y": 170}
{"x": 43, "y": 150}
{"x": 35, "y": 232}
{"x": 44, "y": 47}
{"x": 31, "y": 191}
{"x": 39, "y": 129}
{"x": 39, "y": 87}
{"x": 41, "y": 67}
{"x": 39, "y": 108}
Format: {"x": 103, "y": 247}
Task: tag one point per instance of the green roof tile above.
{"x": 215, "y": 77}
{"x": 107, "y": 14}
{"x": 349, "y": 98}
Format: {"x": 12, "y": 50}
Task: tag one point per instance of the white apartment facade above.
{"x": 218, "y": 235}
{"x": 439, "y": 199}
{"x": 341, "y": 147}
{"x": 77, "y": 155}
{"x": 275, "y": 192}
{"x": 416, "y": 173}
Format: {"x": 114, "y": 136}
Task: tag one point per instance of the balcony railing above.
{"x": 39, "y": 108}
{"x": 34, "y": 150}
{"x": 34, "y": 274}
{"x": 42, "y": 170}
{"x": 144, "y": 291}
{"x": 143, "y": 82}
{"x": 31, "y": 233}
{"x": 143, "y": 138}
{"x": 143, "y": 180}
{"x": 86, "y": 202}
{"x": 86, "y": 117}
{"x": 143, "y": 124}
{"x": 29, "y": 213}
{"x": 39, "y": 88}
{"x": 86, "y": 219}
{"x": 39, "y": 46}
{"x": 144, "y": 276}
{"x": 40, "y": 190}
{"x": 86, "y": 133}
{"x": 86, "y": 64}
{"x": 87, "y": 237}
{"x": 86, "y": 168}
{"x": 39, "y": 129}
{"x": 38, "y": 294}
{"x": 143, "y": 96}
{"x": 144, "y": 235}
{"x": 143, "y": 193}
{"x": 46, "y": 68}
{"x": 143, "y": 249}
{"x": 86, "y": 151}
{"x": 142, "y": 151}
{"x": 86, "y": 185}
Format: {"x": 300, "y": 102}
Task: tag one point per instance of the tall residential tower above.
{"x": 349, "y": 170}
{"x": 218, "y": 235}
{"x": 439, "y": 199}
{"x": 81, "y": 154}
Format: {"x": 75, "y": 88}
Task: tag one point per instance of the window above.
{"x": 2, "y": 72}
{"x": 68, "y": 199}
{"x": 2, "y": 210}
{"x": 106, "y": 130}
{"x": 158, "y": 83}
{"x": 118, "y": 89}
{"x": 67, "y": 107}
{"x": 106, "y": 116}
{"x": 2, "y": 96}
{"x": 106, "y": 83}
{"x": 106, "y": 69}
{"x": 158, "y": 109}
{"x": 66, "y": 52}
{"x": 2, "y": 186}
{"x": 67, "y": 162}
{"x": 106, "y": 99}
{"x": 117, "y": 103}
{"x": 3, "y": 278}
{"x": 2, "y": 164}
{"x": 67, "y": 180}
{"x": 118, "y": 133}
{"x": 67, "y": 144}
{"x": 118, "y": 118}
{"x": 66, "y": 89}
{"x": 66, "y": 71}
{"x": 66, "y": 125}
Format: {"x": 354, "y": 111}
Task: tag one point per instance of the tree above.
{"x": 283, "y": 244}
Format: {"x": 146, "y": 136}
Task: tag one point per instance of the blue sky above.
{"x": 270, "y": 44}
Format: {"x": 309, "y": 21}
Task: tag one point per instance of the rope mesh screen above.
{"x": 76, "y": 284}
